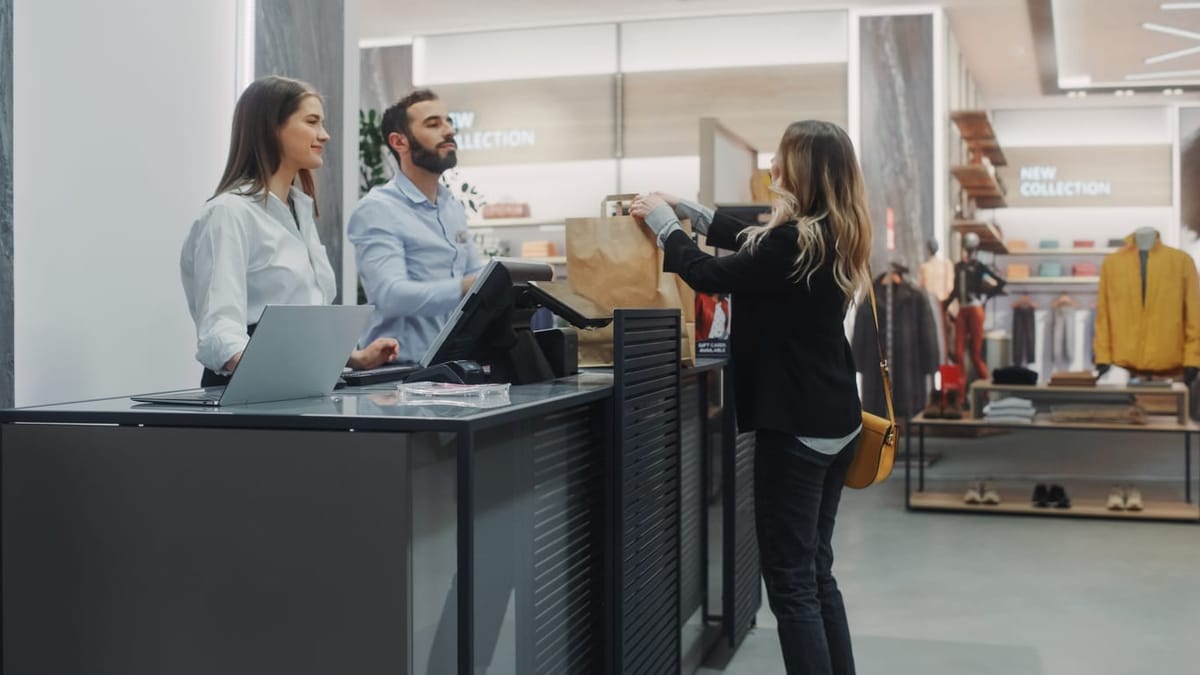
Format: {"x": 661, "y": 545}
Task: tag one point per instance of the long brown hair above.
{"x": 820, "y": 181}
{"x": 254, "y": 151}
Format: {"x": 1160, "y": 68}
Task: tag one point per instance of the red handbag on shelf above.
{"x": 1084, "y": 269}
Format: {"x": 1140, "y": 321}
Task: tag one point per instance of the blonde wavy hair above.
{"x": 816, "y": 179}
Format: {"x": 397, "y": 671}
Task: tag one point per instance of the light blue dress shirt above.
{"x": 412, "y": 256}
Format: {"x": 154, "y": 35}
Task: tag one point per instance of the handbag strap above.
{"x": 884, "y": 372}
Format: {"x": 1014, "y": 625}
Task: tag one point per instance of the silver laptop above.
{"x": 297, "y": 351}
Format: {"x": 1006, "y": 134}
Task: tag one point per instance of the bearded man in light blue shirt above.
{"x": 411, "y": 243}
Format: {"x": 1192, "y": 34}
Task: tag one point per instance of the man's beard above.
{"x": 429, "y": 159}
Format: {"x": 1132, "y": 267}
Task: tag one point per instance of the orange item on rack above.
{"x": 1017, "y": 245}
{"x": 538, "y": 249}
{"x": 1017, "y": 271}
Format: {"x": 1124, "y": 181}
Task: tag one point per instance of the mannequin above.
{"x": 971, "y": 292}
{"x": 936, "y": 276}
{"x": 1137, "y": 335}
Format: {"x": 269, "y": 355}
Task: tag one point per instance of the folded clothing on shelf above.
{"x": 1085, "y": 243}
{"x": 1073, "y": 378}
{"x": 1084, "y": 269}
{"x": 1017, "y": 245}
{"x": 1014, "y": 375}
{"x": 1100, "y": 413}
{"x": 538, "y": 249}
{"x": 506, "y": 210}
{"x": 1050, "y": 269}
{"x": 1011, "y": 409}
{"x": 1046, "y": 244}
{"x": 1017, "y": 271}
{"x": 1116, "y": 243}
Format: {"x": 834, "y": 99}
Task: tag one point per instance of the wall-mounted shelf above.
{"x": 990, "y": 238}
{"x": 976, "y": 130}
{"x": 1063, "y": 251}
{"x": 1067, "y": 281}
{"x": 980, "y": 185}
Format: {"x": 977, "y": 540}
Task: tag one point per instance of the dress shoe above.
{"x": 1041, "y": 496}
{"x": 933, "y": 411}
{"x": 1116, "y": 499}
{"x": 1058, "y": 497}
{"x": 953, "y": 408}
{"x": 1133, "y": 499}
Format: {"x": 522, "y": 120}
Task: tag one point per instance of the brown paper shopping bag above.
{"x": 614, "y": 261}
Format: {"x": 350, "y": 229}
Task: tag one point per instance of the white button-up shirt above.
{"x": 243, "y": 254}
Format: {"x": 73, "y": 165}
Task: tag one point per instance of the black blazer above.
{"x": 793, "y": 370}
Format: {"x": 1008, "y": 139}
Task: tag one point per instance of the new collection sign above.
{"x": 1075, "y": 176}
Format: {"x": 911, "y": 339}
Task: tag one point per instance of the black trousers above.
{"x": 796, "y": 495}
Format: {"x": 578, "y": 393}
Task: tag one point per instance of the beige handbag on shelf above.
{"x": 614, "y": 261}
{"x": 876, "y": 451}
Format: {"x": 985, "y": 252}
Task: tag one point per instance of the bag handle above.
{"x": 614, "y": 198}
{"x": 883, "y": 364}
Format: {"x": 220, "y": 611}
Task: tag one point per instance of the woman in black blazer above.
{"x": 794, "y": 376}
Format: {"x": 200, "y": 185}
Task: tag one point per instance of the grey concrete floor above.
{"x": 950, "y": 594}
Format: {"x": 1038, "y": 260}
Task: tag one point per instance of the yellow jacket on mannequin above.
{"x": 1163, "y": 332}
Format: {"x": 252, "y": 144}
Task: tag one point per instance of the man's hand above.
{"x": 467, "y": 282}
{"x": 379, "y": 352}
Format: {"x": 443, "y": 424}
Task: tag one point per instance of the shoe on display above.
{"x": 1133, "y": 499}
{"x": 1041, "y": 496}
{"x": 1058, "y": 497}
{"x": 974, "y": 494}
{"x": 990, "y": 496}
{"x": 1116, "y": 499}
{"x": 953, "y": 407}
{"x": 933, "y": 411}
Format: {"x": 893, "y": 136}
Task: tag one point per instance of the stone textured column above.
{"x": 896, "y": 139}
{"x": 6, "y": 204}
{"x": 305, "y": 39}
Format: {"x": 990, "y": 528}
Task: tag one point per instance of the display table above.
{"x": 1176, "y": 423}
{"x": 363, "y": 533}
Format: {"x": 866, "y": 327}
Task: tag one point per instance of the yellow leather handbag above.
{"x": 876, "y": 451}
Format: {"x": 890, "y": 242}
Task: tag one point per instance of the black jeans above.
{"x": 796, "y": 495}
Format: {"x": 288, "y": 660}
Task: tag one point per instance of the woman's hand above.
{"x": 232, "y": 363}
{"x": 379, "y": 352}
{"x": 644, "y": 204}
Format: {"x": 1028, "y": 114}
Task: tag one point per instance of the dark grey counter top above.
{"x": 376, "y": 408}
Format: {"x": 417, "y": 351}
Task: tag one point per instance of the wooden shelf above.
{"x": 1064, "y": 251}
{"x": 976, "y": 130}
{"x": 989, "y": 234}
{"x": 1080, "y": 508}
{"x": 1057, "y": 281}
{"x": 515, "y": 222}
{"x": 980, "y": 185}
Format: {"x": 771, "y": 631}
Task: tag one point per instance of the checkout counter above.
{"x": 597, "y": 523}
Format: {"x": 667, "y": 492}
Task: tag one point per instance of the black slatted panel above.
{"x": 646, "y": 474}
{"x": 746, "y": 572}
{"x": 691, "y": 499}
{"x": 567, "y": 549}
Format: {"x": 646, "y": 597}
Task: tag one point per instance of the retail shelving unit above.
{"x": 990, "y": 238}
{"x": 1178, "y": 423}
{"x": 516, "y": 231}
{"x": 1051, "y": 281}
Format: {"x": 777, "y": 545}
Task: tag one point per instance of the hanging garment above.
{"x": 1161, "y": 333}
{"x": 914, "y": 344}
{"x": 1023, "y": 345}
{"x": 1060, "y": 338}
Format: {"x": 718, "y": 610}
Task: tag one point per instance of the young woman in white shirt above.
{"x": 255, "y": 242}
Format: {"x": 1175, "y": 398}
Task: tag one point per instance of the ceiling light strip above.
{"x": 1162, "y": 74}
{"x": 1171, "y": 30}
{"x": 1172, "y": 55}
{"x": 1180, "y": 5}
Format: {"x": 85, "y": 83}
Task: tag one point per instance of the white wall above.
{"x": 121, "y": 122}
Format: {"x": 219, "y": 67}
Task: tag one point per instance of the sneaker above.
{"x": 1116, "y": 499}
{"x": 973, "y": 494}
{"x": 1058, "y": 497}
{"x": 1041, "y": 496}
{"x": 990, "y": 496}
{"x": 1133, "y": 499}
